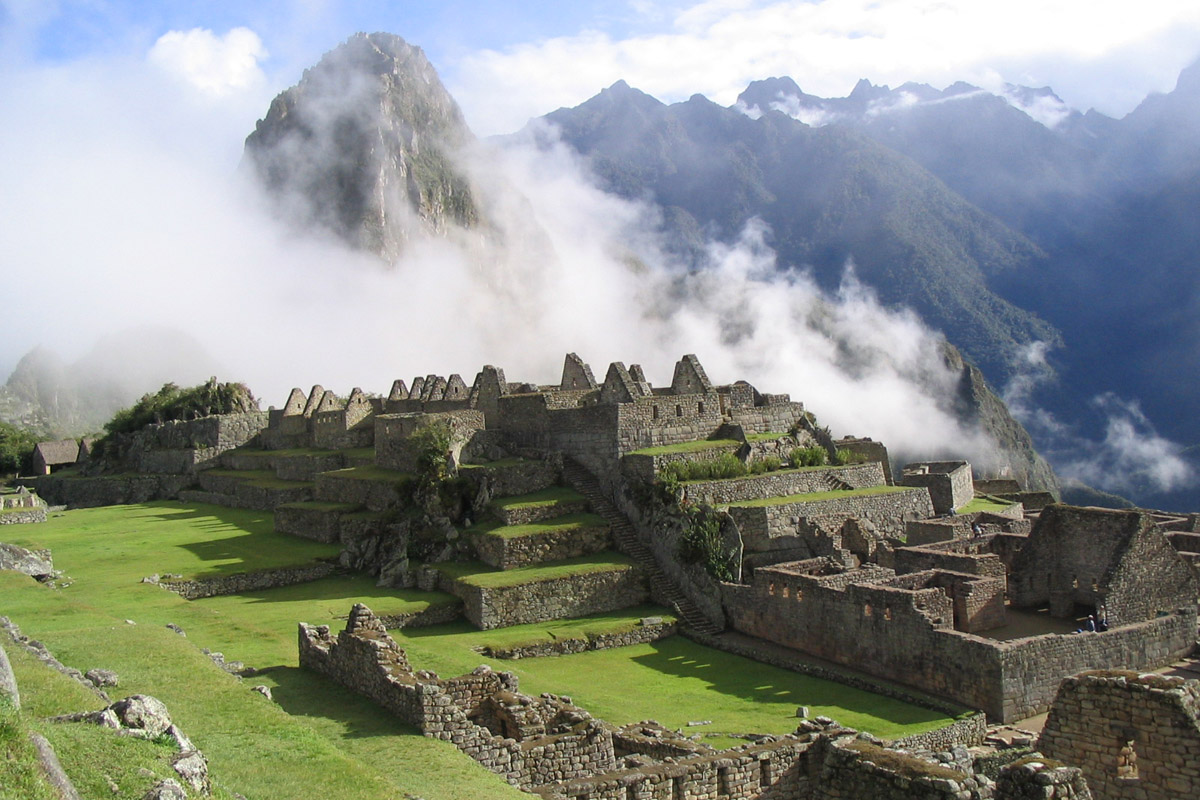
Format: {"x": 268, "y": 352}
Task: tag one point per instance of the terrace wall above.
{"x": 556, "y": 598}
{"x": 782, "y": 484}
{"x": 538, "y": 548}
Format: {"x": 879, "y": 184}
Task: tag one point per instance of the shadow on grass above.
{"x": 306, "y": 694}
{"x": 350, "y": 589}
{"x": 728, "y": 674}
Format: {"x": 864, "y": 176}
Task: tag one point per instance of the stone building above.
{"x": 926, "y": 622}
{"x": 949, "y": 483}
{"x": 49, "y": 456}
{"x": 1134, "y": 736}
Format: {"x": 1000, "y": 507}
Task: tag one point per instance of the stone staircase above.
{"x": 835, "y": 483}
{"x": 627, "y": 542}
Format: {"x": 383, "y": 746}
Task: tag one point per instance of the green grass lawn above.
{"x": 475, "y": 573}
{"x": 369, "y": 472}
{"x": 317, "y": 739}
{"x": 262, "y": 478}
{"x": 687, "y": 447}
{"x": 675, "y": 681}
{"x": 563, "y": 523}
{"x": 815, "y": 497}
{"x": 769, "y": 436}
{"x": 546, "y": 497}
{"x": 984, "y": 504}
{"x": 787, "y": 471}
{"x": 463, "y": 637}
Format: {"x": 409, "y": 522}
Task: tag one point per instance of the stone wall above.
{"x": 598, "y": 641}
{"x": 20, "y": 516}
{"x": 771, "y": 527}
{"x": 111, "y": 490}
{"x": 969, "y": 730}
{"x": 513, "y": 478}
{"x": 318, "y": 522}
{"x": 525, "y": 514}
{"x": 909, "y": 635}
{"x": 1118, "y": 560}
{"x": 556, "y": 598}
{"x": 552, "y": 544}
{"x": 784, "y": 483}
{"x": 949, "y": 482}
{"x": 775, "y": 771}
{"x": 393, "y": 435}
{"x": 247, "y": 581}
{"x": 350, "y": 488}
{"x": 1134, "y": 736}
{"x": 645, "y": 468}
{"x": 555, "y": 741}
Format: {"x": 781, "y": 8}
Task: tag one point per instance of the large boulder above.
{"x": 35, "y": 563}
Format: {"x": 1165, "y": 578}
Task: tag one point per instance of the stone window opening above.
{"x": 679, "y": 411}
{"x": 771, "y": 588}
{"x": 1095, "y": 585}
{"x": 723, "y": 781}
{"x": 785, "y": 591}
{"x": 1074, "y": 582}
{"x": 677, "y": 789}
{"x": 764, "y": 773}
{"x": 631, "y": 793}
{"x": 866, "y": 609}
{"x": 654, "y": 411}
{"x": 887, "y": 613}
{"x": 799, "y": 594}
{"x": 1127, "y": 761}
{"x": 700, "y": 407}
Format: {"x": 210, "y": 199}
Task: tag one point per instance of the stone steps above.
{"x": 627, "y": 542}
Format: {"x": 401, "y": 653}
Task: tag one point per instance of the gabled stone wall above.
{"x": 1134, "y": 736}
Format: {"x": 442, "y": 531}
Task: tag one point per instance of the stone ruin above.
{"x": 551, "y": 747}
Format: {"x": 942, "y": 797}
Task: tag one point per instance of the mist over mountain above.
{"x": 1021, "y": 228}
{"x": 57, "y": 399}
{"x": 365, "y": 148}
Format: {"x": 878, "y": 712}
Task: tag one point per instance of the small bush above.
{"x": 702, "y": 543}
{"x": 846, "y": 456}
{"x": 765, "y": 464}
{"x": 814, "y": 456}
{"x": 727, "y": 466}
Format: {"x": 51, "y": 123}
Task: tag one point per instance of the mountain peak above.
{"x": 363, "y": 146}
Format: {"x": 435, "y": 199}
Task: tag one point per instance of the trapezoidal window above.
{"x": 679, "y": 411}
{"x": 700, "y": 408}
{"x": 1127, "y": 761}
{"x": 654, "y": 412}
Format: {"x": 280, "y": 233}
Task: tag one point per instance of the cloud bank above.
{"x": 1106, "y": 54}
{"x": 122, "y": 211}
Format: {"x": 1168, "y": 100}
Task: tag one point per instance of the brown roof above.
{"x": 64, "y": 452}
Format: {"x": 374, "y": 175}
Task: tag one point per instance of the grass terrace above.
{"x": 501, "y": 463}
{"x": 985, "y": 503}
{"x": 370, "y": 472}
{"x": 474, "y": 573}
{"x": 318, "y": 505}
{"x": 816, "y": 497}
{"x": 262, "y": 478}
{"x": 317, "y": 739}
{"x": 550, "y": 496}
{"x": 832, "y": 468}
{"x": 769, "y": 436}
{"x": 687, "y": 447}
{"x": 674, "y": 681}
{"x": 564, "y": 523}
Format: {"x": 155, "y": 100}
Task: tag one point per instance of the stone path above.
{"x": 627, "y": 542}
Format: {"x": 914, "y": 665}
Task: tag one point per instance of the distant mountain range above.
{"x": 1003, "y": 219}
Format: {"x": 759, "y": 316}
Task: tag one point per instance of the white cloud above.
{"x": 215, "y": 65}
{"x": 1103, "y": 53}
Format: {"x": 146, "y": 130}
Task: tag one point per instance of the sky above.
{"x": 122, "y": 206}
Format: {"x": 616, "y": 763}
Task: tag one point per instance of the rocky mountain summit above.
{"x": 364, "y": 147}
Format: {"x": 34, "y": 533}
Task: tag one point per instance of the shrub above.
{"x": 847, "y": 456}
{"x": 814, "y": 456}
{"x": 16, "y": 449}
{"x": 726, "y": 466}
{"x": 702, "y": 543}
{"x": 765, "y": 464}
{"x": 172, "y": 403}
